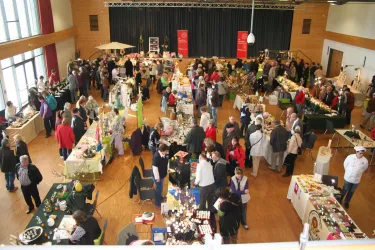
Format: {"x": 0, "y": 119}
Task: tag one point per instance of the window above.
{"x": 18, "y": 19}
{"x": 20, "y": 73}
{"x": 94, "y": 25}
{"x": 306, "y": 26}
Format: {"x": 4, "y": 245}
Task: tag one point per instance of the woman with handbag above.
{"x": 293, "y": 150}
{"x": 258, "y": 144}
{"x": 240, "y": 186}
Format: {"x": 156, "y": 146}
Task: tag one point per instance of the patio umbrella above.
{"x": 115, "y": 45}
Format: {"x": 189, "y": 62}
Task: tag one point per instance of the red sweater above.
{"x": 373, "y": 134}
{"x": 211, "y": 133}
{"x": 239, "y": 155}
{"x": 53, "y": 79}
{"x": 335, "y": 101}
{"x": 172, "y": 100}
{"x": 65, "y": 136}
{"x": 215, "y": 77}
{"x": 300, "y": 98}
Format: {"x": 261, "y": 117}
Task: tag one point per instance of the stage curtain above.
{"x": 212, "y": 32}
{"x": 47, "y": 27}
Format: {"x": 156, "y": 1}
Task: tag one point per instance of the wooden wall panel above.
{"x": 351, "y": 40}
{"x": 23, "y": 45}
{"x": 87, "y": 40}
{"x": 310, "y": 44}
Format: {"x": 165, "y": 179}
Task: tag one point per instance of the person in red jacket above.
{"x": 335, "y": 100}
{"x": 215, "y": 77}
{"x": 211, "y": 130}
{"x": 235, "y": 156}
{"x": 300, "y": 101}
{"x": 65, "y": 137}
{"x": 172, "y": 99}
{"x": 53, "y": 79}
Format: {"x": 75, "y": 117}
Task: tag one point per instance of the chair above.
{"x": 145, "y": 192}
{"x": 329, "y": 127}
{"x": 93, "y": 207}
{"x": 100, "y": 240}
{"x": 127, "y": 235}
{"x": 309, "y": 145}
{"x": 146, "y": 173}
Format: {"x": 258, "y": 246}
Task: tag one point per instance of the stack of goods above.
{"x": 288, "y": 84}
{"x": 181, "y": 128}
{"x": 18, "y": 123}
{"x": 314, "y": 188}
{"x": 249, "y": 98}
{"x": 318, "y": 106}
{"x": 186, "y": 224}
{"x": 337, "y": 221}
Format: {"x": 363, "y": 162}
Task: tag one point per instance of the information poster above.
{"x": 183, "y": 42}
{"x": 242, "y": 44}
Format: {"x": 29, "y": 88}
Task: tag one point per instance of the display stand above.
{"x": 153, "y": 44}
{"x": 322, "y": 162}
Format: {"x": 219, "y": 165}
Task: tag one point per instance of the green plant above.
{"x": 141, "y": 40}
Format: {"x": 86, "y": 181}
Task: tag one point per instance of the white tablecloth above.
{"x": 238, "y": 104}
{"x": 28, "y": 131}
{"x": 322, "y": 162}
{"x": 298, "y": 198}
{"x": 75, "y": 161}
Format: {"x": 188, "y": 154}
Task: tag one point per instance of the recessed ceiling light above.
{"x": 331, "y": 1}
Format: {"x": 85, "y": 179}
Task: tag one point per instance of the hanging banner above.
{"x": 183, "y": 42}
{"x": 242, "y": 44}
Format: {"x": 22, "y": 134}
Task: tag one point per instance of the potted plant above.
{"x": 165, "y": 43}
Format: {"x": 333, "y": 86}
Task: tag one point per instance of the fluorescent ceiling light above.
{"x": 331, "y": 1}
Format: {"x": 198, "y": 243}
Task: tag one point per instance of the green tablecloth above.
{"x": 60, "y": 214}
{"x": 314, "y": 107}
{"x": 318, "y": 121}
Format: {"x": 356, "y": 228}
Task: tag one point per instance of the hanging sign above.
{"x": 183, "y": 42}
{"x": 242, "y": 44}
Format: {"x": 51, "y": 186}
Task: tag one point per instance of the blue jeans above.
{"x": 66, "y": 152}
{"x": 158, "y": 191}
{"x": 9, "y": 180}
{"x": 221, "y": 98}
{"x": 348, "y": 190}
{"x": 214, "y": 114}
{"x": 312, "y": 81}
{"x": 153, "y": 150}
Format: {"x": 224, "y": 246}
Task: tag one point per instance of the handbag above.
{"x": 299, "y": 150}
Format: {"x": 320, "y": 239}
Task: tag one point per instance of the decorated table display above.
{"x": 88, "y": 156}
{"x": 49, "y": 223}
{"x": 291, "y": 86}
{"x": 315, "y": 204}
{"x": 317, "y": 106}
{"x": 61, "y": 93}
{"x": 29, "y": 126}
{"x": 120, "y": 94}
{"x": 185, "y": 223}
{"x": 252, "y": 100}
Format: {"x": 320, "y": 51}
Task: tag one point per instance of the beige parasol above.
{"x": 115, "y": 45}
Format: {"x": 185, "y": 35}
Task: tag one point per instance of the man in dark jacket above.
{"x": 305, "y": 74}
{"x": 194, "y": 138}
{"x": 29, "y": 177}
{"x": 8, "y": 164}
{"x": 220, "y": 173}
{"x": 349, "y": 105}
{"x": 278, "y": 141}
{"x": 236, "y": 131}
{"x": 200, "y": 98}
{"x": 78, "y": 126}
{"x": 129, "y": 68}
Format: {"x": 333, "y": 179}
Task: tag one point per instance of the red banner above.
{"x": 242, "y": 44}
{"x": 183, "y": 42}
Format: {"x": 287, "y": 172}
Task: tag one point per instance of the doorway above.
{"x": 334, "y": 62}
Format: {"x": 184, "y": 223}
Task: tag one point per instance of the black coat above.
{"x": 21, "y": 149}
{"x": 78, "y": 128}
{"x": 83, "y": 113}
{"x": 129, "y": 68}
{"x": 328, "y": 97}
{"x": 250, "y": 129}
{"x": 279, "y": 138}
{"x": 136, "y": 142}
{"x": 133, "y": 187}
{"x": 34, "y": 174}
{"x": 220, "y": 173}
{"x": 230, "y": 215}
{"x": 219, "y": 148}
{"x": 194, "y": 139}
{"x": 7, "y": 160}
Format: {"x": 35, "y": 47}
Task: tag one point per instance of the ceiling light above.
{"x": 333, "y": 4}
{"x": 331, "y": 1}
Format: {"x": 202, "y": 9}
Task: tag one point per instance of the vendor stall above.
{"x": 252, "y": 102}
{"x": 359, "y": 97}
{"x": 354, "y": 138}
{"x": 315, "y": 204}
{"x": 28, "y": 127}
{"x": 120, "y": 94}
{"x": 85, "y": 158}
{"x": 318, "y": 121}
{"x": 53, "y": 214}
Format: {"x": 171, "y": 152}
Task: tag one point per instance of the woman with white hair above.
{"x": 92, "y": 109}
{"x": 294, "y": 143}
{"x": 67, "y": 114}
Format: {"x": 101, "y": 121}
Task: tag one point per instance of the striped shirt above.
{"x": 78, "y": 233}
{"x": 23, "y": 174}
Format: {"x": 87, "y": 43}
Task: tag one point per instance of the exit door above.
{"x": 334, "y": 63}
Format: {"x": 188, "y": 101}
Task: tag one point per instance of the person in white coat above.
{"x": 239, "y": 185}
{"x": 355, "y": 165}
{"x": 205, "y": 118}
{"x": 258, "y": 144}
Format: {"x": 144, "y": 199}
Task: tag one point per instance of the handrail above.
{"x": 304, "y": 55}
{"x": 94, "y": 54}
